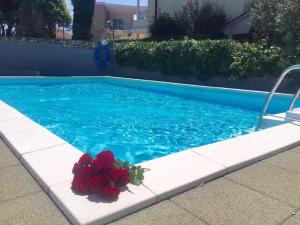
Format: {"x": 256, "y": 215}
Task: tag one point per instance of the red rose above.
{"x": 99, "y": 176}
{"x": 109, "y": 194}
{"x": 76, "y": 169}
{"x": 85, "y": 160}
{"x": 86, "y": 172}
{"x": 120, "y": 177}
{"x": 80, "y": 186}
{"x": 96, "y": 184}
{"x": 104, "y": 160}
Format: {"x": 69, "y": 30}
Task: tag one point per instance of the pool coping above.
{"x": 50, "y": 159}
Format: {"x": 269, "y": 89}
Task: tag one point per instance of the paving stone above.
{"x": 296, "y": 149}
{"x": 34, "y": 209}
{"x": 7, "y": 159}
{"x": 289, "y": 160}
{"x": 223, "y": 202}
{"x": 294, "y": 220}
{"x": 166, "y": 213}
{"x": 16, "y": 182}
{"x": 271, "y": 180}
{"x": 3, "y": 147}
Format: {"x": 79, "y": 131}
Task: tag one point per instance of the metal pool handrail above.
{"x": 271, "y": 94}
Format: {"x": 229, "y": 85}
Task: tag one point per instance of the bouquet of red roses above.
{"x": 104, "y": 176}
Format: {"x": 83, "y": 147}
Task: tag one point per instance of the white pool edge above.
{"x": 50, "y": 159}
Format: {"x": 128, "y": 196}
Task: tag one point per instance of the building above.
{"x": 140, "y": 24}
{"x": 63, "y": 33}
{"x": 130, "y": 21}
{"x": 238, "y": 19}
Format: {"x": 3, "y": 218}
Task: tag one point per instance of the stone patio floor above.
{"x": 265, "y": 193}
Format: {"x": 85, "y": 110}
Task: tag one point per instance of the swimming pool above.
{"x": 138, "y": 120}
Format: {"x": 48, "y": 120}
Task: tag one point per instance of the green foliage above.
{"x": 297, "y": 54}
{"x": 8, "y": 14}
{"x": 256, "y": 59}
{"x": 192, "y": 57}
{"x": 36, "y": 18}
{"x": 57, "y": 10}
{"x": 54, "y": 11}
{"x": 276, "y": 20}
{"x": 7, "y": 6}
{"x": 195, "y": 20}
{"x": 136, "y": 173}
{"x": 203, "y": 57}
{"x": 83, "y": 17}
{"x": 166, "y": 26}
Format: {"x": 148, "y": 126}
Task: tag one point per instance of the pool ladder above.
{"x": 271, "y": 94}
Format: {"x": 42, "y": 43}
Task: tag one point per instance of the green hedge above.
{"x": 202, "y": 57}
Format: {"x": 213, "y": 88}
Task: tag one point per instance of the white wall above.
{"x": 234, "y": 8}
{"x": 243, "y": 26}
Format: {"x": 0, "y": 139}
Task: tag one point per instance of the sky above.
{"x": 123, "y": 2}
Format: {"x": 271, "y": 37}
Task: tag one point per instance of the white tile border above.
{"x": 38, "y": 149}
{"x": 52, "y": 165}
{"x": 80, "y": 210}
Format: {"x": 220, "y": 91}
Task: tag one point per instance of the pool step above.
{"x": 280, "y": 118}
{"x": 294, "y": 114}
{"x": 273, "y": 120}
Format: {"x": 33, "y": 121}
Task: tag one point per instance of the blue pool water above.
{"x": 138, "y": 120}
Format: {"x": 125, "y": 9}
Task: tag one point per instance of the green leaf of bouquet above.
{"x": 118, "y": 163}
{"x": 136, "y": 173}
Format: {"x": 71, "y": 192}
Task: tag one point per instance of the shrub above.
{"x": 203, "y": 57}
{"x": 256, "y": 59}
{"x": 202, "y": 21}
{"x": 137, "y": 54}
{"x": 166, "y": 26}
{"x": 276, "y": 20}
{"x": 297, "y": 55}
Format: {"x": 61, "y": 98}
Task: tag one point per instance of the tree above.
{"x": 55, "y": 12}
{"x": 8, "y": 15}
{"x": 205, "y": 20}
{"x": 278, "y": 21}
{"x": 166, "y": 26}
{"x": 38, "y": 18}
{"x": 83, "y": 18}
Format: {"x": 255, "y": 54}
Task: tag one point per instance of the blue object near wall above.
{"x": 102, "y": 56}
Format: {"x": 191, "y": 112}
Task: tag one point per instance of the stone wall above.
{"x": 289, "y": 85}
{"x": 47, "y": 57}
{"x": 64, "y": 43}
